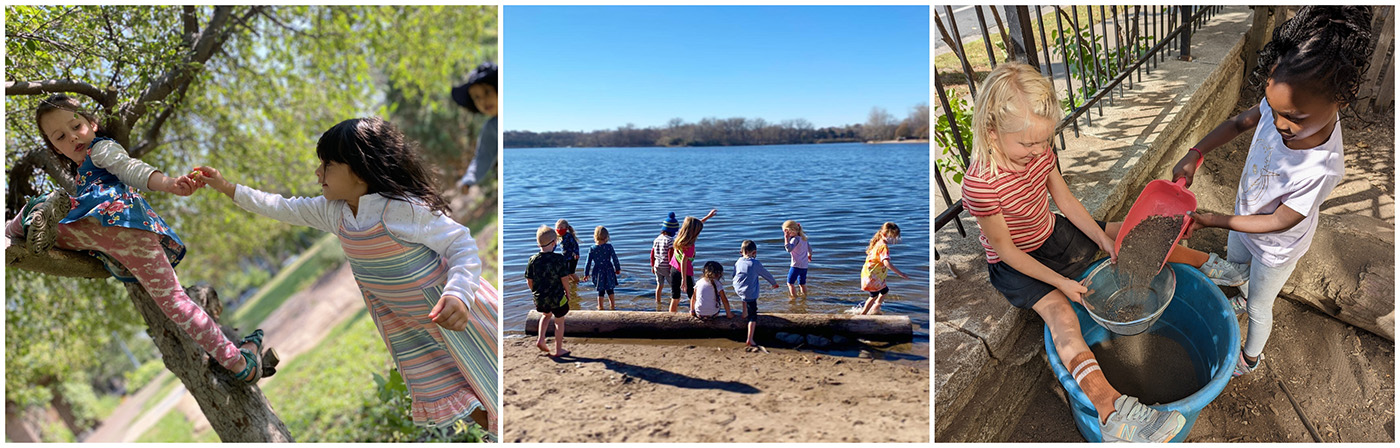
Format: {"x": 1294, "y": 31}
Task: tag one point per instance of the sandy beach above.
{"x": 708, "y": 391}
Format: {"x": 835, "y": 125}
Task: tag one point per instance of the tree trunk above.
{"x": 63, "y": 408}
{"x": 238, "y": 412}
{"x": 640, "y": 324}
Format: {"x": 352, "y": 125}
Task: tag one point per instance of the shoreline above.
{"x": 872, "y": 142}
{"x": 708, "y": 391}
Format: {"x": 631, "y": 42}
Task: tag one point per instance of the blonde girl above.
{"x": 795, "y": 241}
{"x": 602, "y": 267}
{"x": 877, "y": 265}
{"x": 1033, "y": 254}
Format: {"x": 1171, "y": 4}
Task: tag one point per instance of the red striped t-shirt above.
{"x": 1022, "y": 197}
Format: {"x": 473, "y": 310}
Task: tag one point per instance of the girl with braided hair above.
{"x": 1310, "y": 71}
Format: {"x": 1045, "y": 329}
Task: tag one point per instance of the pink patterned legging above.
{"x": 140, "y": 252}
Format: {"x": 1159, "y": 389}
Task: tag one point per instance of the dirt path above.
{"x": 113, "y": 429}
{"x": 632, "y": 392}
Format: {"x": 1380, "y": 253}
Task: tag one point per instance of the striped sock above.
{"x": 1087, "y": 374}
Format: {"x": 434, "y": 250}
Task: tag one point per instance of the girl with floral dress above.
{"x": 417, "y": 269}
{"x": 603, "y": 267}
{"x": 111, "y": 220}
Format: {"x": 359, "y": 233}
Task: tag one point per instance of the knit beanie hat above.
{"x": 544, "y": 236}
{"x": 670, "y": 226}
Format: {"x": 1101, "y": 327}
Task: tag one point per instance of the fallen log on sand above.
{"x": 651, "y": 324}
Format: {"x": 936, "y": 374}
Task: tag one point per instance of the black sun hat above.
{"x": 484, "y": 73}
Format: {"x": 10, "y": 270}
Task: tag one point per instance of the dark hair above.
{"x": 1323, "y": 46}
{"x": 377, "y": 152}
{"x": 748, "y": 246}
{"x": 486, "y": 73}
{"x": 714, "y": 270}
{"x": 65, "y": 103}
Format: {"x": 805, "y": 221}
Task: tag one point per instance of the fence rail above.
{"x": 1099, "y": 54}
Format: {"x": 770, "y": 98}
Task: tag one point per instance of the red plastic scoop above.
{"x": 1161, "y": 197}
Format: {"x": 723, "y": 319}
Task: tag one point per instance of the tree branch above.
{"x": 57, "y": 262}
{"x": 105, "y": 98}
{"x": 150, "y": 139}
{"x": 190, "y": 21}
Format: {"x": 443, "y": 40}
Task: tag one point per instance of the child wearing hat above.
{"x": 478, "y": 95}
{"x": 545, "y": 274}
{"x": 661, "y": 252}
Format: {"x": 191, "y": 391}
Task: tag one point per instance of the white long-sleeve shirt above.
{"x": 405, "y": 220}
{"x": 110, "y": 156}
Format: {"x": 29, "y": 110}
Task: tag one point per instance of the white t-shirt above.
{"x": 706, "y": 298}
{"x": 1277, "y": 175}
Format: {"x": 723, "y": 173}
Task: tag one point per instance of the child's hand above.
{"x": 1073, "y": 290}
{"x": 585, "y": 278}
{"x": 1200, "y": 221}
{"x": 180, "y": 186}
{"x": 618, "y": 272}
{"x": 1186, "y": 167}
{"x": 775, "y": 286}
{"x": 901, "y": 275}
{"x": 450, "y": 313}
{"x": 212, "y": 177}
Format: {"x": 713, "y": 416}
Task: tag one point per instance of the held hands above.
{"x": 1186, "y": 167}
{"x": 450, "y": 313}
{"x": 179, "y": 186}
{"x": 213, "y": 178}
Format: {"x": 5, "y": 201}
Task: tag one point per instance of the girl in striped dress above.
{"x": 417, "y": 269}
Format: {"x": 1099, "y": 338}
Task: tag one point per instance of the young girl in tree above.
{"x": 1312, "y": 69}
{"x": 1033, "y": 254}
{"x": 417, "y": 268}
{"x": 683, "y": 257}
{"x": 877, "y": 262}
{"x": 795, "y": 241}
{"x": 111, "y": 220}
{"x": 603, "y": 267}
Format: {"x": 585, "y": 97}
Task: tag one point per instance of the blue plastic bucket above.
{"x": 1199, "y": 318}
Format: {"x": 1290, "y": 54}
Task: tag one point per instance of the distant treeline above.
{"x": 736, "y": 131}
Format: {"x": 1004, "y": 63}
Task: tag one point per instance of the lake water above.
{"x": 840, "y": 193}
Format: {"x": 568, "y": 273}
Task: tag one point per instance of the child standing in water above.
{"x": 545, "y": 275}
{"x": 111, "y": 220}
{"x": 682, "y": 257}
{"x": 1033, "y": 254}
{"x": 661, "y": 253}
{"x": 795, "y": 241}
{"x": 602, "y": 267}
{"x": 1312, "y": 70}
{"x": 877, "y": 262}
{"x": 747, "y": 271}
{"x": 417, "y": 268}
{"x": 568, "y": 242}
{"x": 709, "y": 293}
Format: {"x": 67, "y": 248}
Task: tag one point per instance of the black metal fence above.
{"x": 1090, "y": 54}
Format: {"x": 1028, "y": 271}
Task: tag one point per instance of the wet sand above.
{"x": 708, "y": 391}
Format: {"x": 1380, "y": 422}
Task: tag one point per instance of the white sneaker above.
{"x": 1225, "y": 273}
{"x": 1132, "y": 421}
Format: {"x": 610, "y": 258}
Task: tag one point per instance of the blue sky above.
{"x": 588, "y": 68}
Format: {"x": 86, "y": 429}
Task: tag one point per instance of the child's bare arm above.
{"x": 709, "y": 215}
{"x": 1076, "y": 213}
{"x": 994, "y": 227}
{"x": 724, "y": 299}
{"x": 890, "y": 266}
{"x": 215, "y": 180}
{"x": 530, "y": 283}
{"x": 1281, "y": 219}
{"x": 1221, "y": 135}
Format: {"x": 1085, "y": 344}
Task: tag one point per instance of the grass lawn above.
{"x": 105, "y": 405}
{"x": 173, "y": 428}
{"x": 315, "y": 262}
{"x": 166, "y": 385}
{"x": 321, "y": 393}
{"x": 976, "y": 51}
